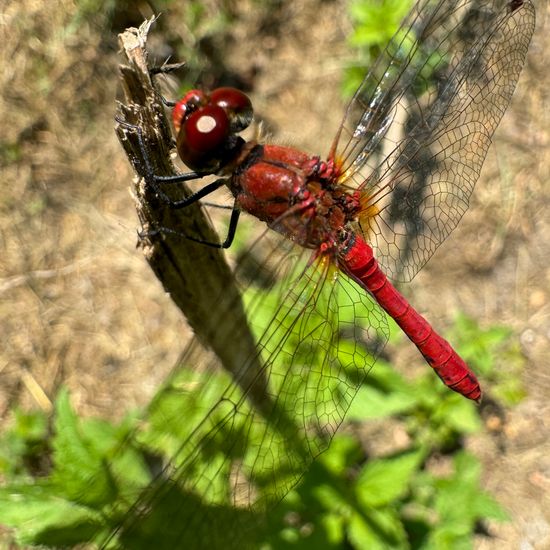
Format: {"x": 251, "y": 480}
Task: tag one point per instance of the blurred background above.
{"x": 79, "y": 306}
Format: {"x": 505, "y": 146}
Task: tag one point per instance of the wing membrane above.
{"x": 244, "y": 447}
{"x": 421, "y": 123}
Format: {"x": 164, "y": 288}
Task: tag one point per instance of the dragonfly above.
{"x": 395, "y": 183}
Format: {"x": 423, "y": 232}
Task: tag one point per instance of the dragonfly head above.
{"x": 206, "y": 125}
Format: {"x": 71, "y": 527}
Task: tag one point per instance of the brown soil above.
{"x": 79, "y": 305}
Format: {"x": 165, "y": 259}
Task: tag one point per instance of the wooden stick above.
{"x": 196, "y": 276}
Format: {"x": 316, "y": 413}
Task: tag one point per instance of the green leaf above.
{"x": 486, "y": 507}
{"x": 80, "y": 470}
{"x": 192, "y": 392}
{"x": 333, "y": 525}
{"x": 31, "y": 425}
{"x": 376, "y": 23}
{"x": 40, "y": 517}
{"x": 460, "y": 414}
{"x": 477, "y": 346}
{"x": 330, "y": 496}
{"x": 460, "y": 504}
{"x": 24, "y": 447}
{"x": 377, "y": 529}
{"x": 341, "y": 454}
{"x": 371, "y": 403}
{"x": 447, "y": 538}
{"x": 115, "y": 443}
{"x": 384, "y": 480}
{"x": 361, "y": 535}
{"x": 511, "y": 390}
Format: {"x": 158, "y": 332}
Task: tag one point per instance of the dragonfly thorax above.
{"x": 294, "y": 193}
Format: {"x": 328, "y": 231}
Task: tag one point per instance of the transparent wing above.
{"x": 417, "y": 131}
{"x": 248, "y": 437}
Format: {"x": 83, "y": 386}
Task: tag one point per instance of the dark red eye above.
{"x": 202, "y": 133}
{"x": 207, "y": 128}
{"x": 190, "y": 102}
{"x": 237, "y": 105}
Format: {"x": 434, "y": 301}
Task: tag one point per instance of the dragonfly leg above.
{"x": 166, "y": 68}
{"x": 215, "y": 205}
{"x": 206, "y": 190}
{"x": 225, "y": 244}
{"x": 146, "y": 170}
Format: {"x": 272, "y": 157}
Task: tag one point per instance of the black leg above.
{"x": 167, "y": 102}
{"x": 214, "y": 205}
{"x": 233, "y": 222}
{"x": 206, "y": 190}
{"x": 154, "y": 180}
{"x": 226, "y": 243}
{"x": 166, "y": 68}
{"x": 147, "y": 172}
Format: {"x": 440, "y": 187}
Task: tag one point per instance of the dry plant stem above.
{"x": 193, "y": 274}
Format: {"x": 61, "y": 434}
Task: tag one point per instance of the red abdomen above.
{"x": 359, "y": 262}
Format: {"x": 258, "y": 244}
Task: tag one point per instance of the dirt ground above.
{"x": 78, "y": 303}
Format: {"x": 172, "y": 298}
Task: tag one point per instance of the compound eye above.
{"x": 236, "y": 104}
{"x": 201, "y": 135}
{"x": 190, "y": 102}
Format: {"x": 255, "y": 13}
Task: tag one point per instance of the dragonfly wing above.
{"x": 246, "y": 444}
{"x": 371, "y": 111}
{"x": 421, "y": 123}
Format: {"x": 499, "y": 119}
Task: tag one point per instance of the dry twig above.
{"x": 193, "y": 274}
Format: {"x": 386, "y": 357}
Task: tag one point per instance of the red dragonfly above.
{"x": 396, "y": 182}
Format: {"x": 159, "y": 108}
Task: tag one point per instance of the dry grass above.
{"x": 78, "y": 305}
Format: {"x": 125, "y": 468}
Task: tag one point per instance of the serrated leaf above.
{"x": 80, "y": 472}
{"x": 40, "y": 517}
{"x": 383, "y": 481}
{"x": 377, "y": 529}
{"x": 459, "y": 414}
{"x": 371, "y": 403}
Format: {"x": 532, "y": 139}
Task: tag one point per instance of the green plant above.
{"x": 496, "y": 355}
{"x": 94, "y": 470}
{"x": 394, "y": 499}
{"x": 374, "y": 25}
{"x": 25, "y": 446}
{"x": 88, "y": 474}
